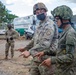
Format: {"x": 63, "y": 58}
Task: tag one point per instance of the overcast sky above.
{"x": 23, "y": 8}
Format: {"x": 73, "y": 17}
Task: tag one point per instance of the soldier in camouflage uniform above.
{"x": 65, "y": 55}
{"x": 45, "y": 37}
{"x": 10, "y": 35}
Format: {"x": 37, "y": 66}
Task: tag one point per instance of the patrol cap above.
{"x": 39, "y": 6}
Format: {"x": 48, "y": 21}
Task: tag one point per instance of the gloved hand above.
{"x": 11, "y": 38}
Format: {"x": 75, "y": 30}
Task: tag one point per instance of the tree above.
{"x": 5, "y": 16}
{"x": 2, "y": 12}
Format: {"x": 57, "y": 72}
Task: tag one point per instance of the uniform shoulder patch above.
{"x": 48, "y": 31}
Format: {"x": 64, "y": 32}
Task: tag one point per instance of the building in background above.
{"x": 23, "y": 24}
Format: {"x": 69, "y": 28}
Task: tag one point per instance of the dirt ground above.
{"x": 17, "y": 65}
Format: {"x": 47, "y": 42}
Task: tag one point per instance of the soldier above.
{"x": 10, "y": 35}
{"x": 65, "y": 55}
{"x": 45, "y": 37}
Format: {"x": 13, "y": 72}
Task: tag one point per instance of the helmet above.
{"x": 63, "y": 11}
{"x": 39, "y": 6}
{"x": 9, "y": 25}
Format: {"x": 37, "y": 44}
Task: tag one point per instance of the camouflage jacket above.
{"x": 66, "y": 49}
{"x": 11, "y": 33}
{"x": 45, "y": 37}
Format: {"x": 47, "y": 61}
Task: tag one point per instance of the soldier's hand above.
{"x": 25, "y": 54}
{"x": 20, "y": 49}
{"x": 39, "y": 55}
{"x": 46, "y": 63}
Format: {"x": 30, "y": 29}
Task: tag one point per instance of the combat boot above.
{"x": 11, "y": 56}
{"x": 6, "y": 58}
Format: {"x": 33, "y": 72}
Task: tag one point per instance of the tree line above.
{"x": 5, "y": 16}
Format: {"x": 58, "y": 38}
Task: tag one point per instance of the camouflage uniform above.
{"x": 65, "y": 55}
{"x": 65, "y": 58}
{"x": 10, "y": 36}
{"x": 45, "y": 37}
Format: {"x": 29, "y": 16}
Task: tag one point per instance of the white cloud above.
{"x": 73, "y": 1}
{"x": 25, "y": 7}
{"x": 10, "y": 1}
{"x": 28, "y": 1}
{"x": 44, "y": 1}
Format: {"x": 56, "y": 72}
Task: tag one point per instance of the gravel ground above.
{"x": 17, "y": 65}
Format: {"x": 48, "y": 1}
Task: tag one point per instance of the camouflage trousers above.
{"x": 36, "y": 69}
{"x": 70, "y": 71}
{"x": 7, "y": 47}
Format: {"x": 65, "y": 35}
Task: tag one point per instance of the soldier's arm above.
{"x": 50, "y": 52}
{"x": 45, "y": 41}
{"x": 6, "y": 35}
{"x": 15, "y": 34}
{"x": 70, "y": 50}
{"x": 54, "y": 46}
{"x": 30, "y": 45}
